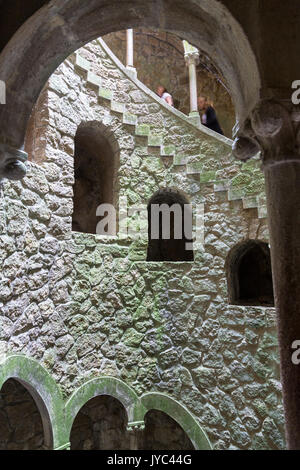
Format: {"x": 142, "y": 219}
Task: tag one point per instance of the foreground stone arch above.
{"x": 43, "y": 390}
{"x": 161, "y": 402}
{"x": 58, "y": 29}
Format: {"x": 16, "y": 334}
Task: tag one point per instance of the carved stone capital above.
{"x": 12, "y": 163}
{"x": 245, "y": 148}
{"x": 272, "y": 128}
{"x": 136, "y": 426}
{"x": 191, "y": 57}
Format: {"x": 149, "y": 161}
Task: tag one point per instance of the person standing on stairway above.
{"x": 165, "y": 95}
{"x": 209, "y": 117}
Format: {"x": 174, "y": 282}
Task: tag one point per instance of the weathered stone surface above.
{"x": 87, "y": 306}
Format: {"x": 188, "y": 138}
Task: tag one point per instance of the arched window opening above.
{"x": 163, "y": 433}
{"x": 95, "y": 164}
{"x": 170, "y": 222}
{"x": 100, "y": 425}
{"x": 249, "y": 274}
{"x": 21, "y": 426}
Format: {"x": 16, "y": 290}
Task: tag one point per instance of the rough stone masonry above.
{"x": 85, "y": 306}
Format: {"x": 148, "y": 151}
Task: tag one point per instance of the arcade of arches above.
{"x": 101, "y": 425}
{"x": 200, "y": 330}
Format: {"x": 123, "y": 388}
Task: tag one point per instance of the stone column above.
{"x": 191, "y": 56}
{"x": 129, "y": 53}
{"x": 135, "y": 429}
{"x": 274, "y": 128}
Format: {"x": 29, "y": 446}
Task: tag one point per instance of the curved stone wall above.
{"x": 159, "y": 59}
{"x": 86, "y": 306}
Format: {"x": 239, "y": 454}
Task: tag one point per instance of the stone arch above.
{"x": 43, "y": 390}
{"x": 101, "y": 424}
{"x": 249, "y": 274}
{"x": 59, "y": 28}
{"x": 171, "y": 249}
{"x": 96, "y": 162}
{"x": 104, "y": 386}
{"x": 161, "y": 402}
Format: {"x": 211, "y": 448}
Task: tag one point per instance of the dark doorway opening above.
{"x": 21, "y": 426}
{"x": 249, "y": 274}
{"x": 95, "y": 175}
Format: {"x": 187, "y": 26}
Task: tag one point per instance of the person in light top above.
{"x": 165, "y": 95}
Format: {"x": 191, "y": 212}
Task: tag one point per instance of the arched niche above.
{"x": 176, "y": 411}
{"x": 103, "y": 386}
{"x": 59, "y": 28}
{"x": 96, "y": 160}
{"x": 170, "y": 223}
{"x": 249, "y": 274}
{"x": 163, "y": 433}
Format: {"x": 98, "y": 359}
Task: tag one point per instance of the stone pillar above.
{"x": 129, "y": 53}
{"x": 129, "y": 49}
{"x": 135, "y": 429}
{"x": 191, "y": 56}
{"x": 274, "y": 128}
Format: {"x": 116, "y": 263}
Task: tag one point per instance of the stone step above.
{"x": 262, "y": 212}
{"x": 208, "y": 177}
{"x": 142, "y": 130}
{"x": 180, "y": 160}
{"x": 222, "y": 185}
{"x": 117, "y": 107}
{"x": 130, "y": 119}
{"x": 82, "y": 63}
{"x": 105, "y": 94}
{"x": 194, "y": 167}
{"x": 168, "y": 150}
{"x": 191, "y": 170}
{"x": 94, "y": 80}
{"x": 155, "y": 140}
{"x": 235, "y": 194}
{"x": 250, "y": 202}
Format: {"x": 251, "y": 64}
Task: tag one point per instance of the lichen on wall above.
{"x": 87, "y": 306}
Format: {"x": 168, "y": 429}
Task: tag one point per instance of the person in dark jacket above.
{"x": 209, "y": 117}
